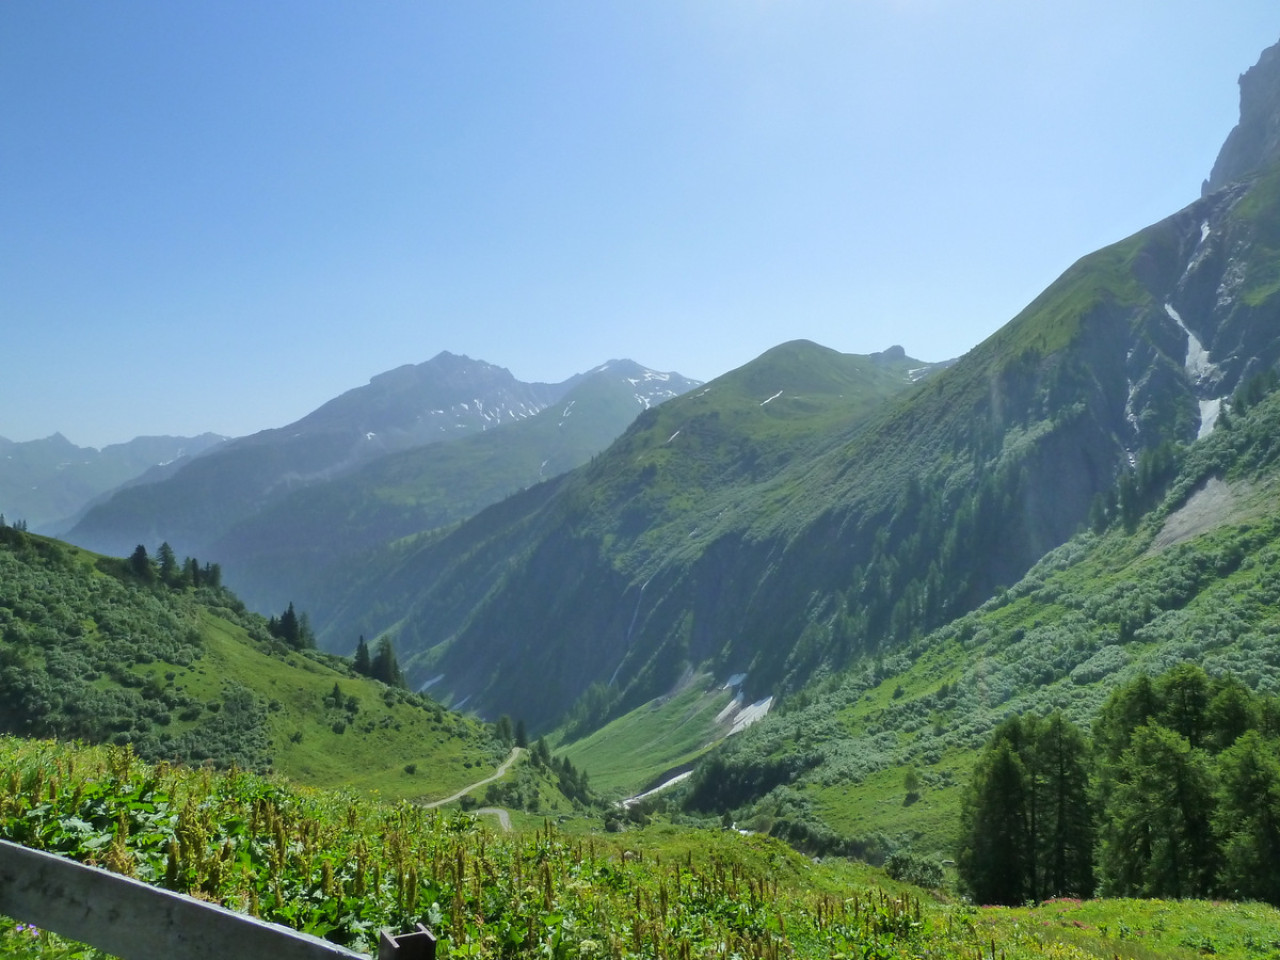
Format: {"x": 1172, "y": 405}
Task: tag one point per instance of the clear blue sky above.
{"x": 216, "y": 216}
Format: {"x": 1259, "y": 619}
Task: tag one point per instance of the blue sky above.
{"x": 218, "y": 216}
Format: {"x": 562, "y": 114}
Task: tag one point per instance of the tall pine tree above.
{"x": 993, "y": 858}
{"x": 362, "y": 664}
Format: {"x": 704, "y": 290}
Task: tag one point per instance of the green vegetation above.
{"x": 1028, "y": 826}
{"x": 342, "y": 867}
{"x": 795, "y": 515}
{"x": 124, "y": 652}
{"x": 1185, "y": 797}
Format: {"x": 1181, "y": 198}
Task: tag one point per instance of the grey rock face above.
{"x": 1255, "y": 141}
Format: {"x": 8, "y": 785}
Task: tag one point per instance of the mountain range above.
{"x": 415, "y": 448}
{"x": 46, "y": 482}
{"x": 810, "y": 523}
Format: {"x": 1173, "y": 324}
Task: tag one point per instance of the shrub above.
{"x": 912, "y": 868}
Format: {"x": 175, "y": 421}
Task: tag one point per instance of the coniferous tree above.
{"x": 361, "y": 663}
{"x": 993, "y": 856}
{"x": 503, "y": 731}
{"x": 1184, "y": 692}
{"x": 288, "y": 626}
{"x": 1063, "y": 822}
{"x": 1156, "y": 837}
{"x": 306, "y": 636}
{"x": 384, "y": 666}
{"x": 1232, "y": 711}
{"x": 541, "y": 753}
{"x": 140, "y": 564}
{"x": 1247, "y": 820}
{"x": 168, "y": 564}
{"x": 213, "y": 575}
{"x": 1027, "y": 825}
{"x": 522, "y": 736}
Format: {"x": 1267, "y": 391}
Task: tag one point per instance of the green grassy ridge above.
{"x": 343, "y": 867}
{"x": 1091, "y": 615}
{"x": 89, "y": 652}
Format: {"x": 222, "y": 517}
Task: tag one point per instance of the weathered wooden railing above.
{"x": 134, "y": 921}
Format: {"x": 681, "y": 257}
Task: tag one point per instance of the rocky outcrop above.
{"x": 1255, "y": 141}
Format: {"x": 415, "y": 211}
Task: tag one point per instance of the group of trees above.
{"x": 573, "y": 783}
{"x": 166, "y": 569}
{"x": 511, "y": 735}
{"x": 293, "y": 628}
{"x": 1176, "y": 795}
{"x": 1028, "y": 828}
{"x": 380, "y": 665}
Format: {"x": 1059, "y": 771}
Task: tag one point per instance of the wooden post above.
{"x": 419, "y": 945}
{"x": 134, "y": 921}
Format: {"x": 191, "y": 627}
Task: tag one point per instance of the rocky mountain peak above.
{"x": 1255, "y": 141}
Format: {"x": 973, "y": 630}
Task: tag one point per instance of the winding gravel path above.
{"x": 502, "y": 769}
{"x": 504, "y": 818}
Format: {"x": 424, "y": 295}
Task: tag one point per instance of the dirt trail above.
{"x": 504, "y": 818}
{"x": 502, "y": 769}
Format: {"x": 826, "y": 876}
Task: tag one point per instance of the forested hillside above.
{"x": 158, "y": 656}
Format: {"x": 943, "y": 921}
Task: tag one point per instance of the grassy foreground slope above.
{"x": 90, "y": 651}
{"x": 342, "y": 868}
{"x": 1195, "y": 578}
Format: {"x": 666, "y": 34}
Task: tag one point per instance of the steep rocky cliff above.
{"x": 1255, "y": 141}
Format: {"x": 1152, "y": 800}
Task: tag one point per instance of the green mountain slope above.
{"x": 570, "y": 583}
{"x": 1197, "y": 579}
{"x": 793, "y": 541}
{"x": 87, "y": 651}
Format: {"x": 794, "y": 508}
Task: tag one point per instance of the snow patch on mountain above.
{"x": 752, "y": 714}
{"x": 1198, "y": 365}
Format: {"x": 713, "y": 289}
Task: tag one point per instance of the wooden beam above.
{"x": 134, "y": 921}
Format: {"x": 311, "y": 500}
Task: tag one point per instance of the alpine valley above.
{"x": 827, "y": 597}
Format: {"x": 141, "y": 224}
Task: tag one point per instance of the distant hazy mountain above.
{"x": 376, "y": 462}
{"x": 308, "y": 537}
{"x": 45, "y": 481}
